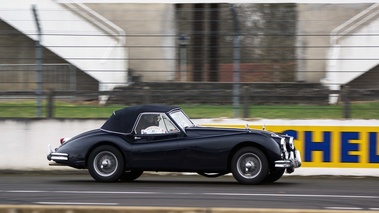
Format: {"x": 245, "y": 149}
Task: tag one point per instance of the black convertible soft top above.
{"x": 122, "y": 121}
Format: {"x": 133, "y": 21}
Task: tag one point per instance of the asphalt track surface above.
{"x": 290, "y": 192}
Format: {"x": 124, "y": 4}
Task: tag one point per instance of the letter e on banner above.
{"x": 373, "y": 147}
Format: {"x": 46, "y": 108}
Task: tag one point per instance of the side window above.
{"x": 155, "y": 123}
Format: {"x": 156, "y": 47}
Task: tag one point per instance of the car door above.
{"x": 156, "y": 152}
{"x": 203, "y": 153}
{"x": 156, "y": 147}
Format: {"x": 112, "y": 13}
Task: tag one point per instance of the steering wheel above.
{"x": 153, "y": 130}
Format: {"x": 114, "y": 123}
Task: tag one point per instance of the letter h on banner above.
{"x": 310, "y": 146}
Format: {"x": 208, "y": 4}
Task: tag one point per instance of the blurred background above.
{"x": 66, "y": 59}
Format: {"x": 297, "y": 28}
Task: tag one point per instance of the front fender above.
{"x": 268, "y": 145}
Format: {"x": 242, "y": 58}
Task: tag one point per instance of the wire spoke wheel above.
{"x": 106, "y": 164}
{"x": 249, "y": 165}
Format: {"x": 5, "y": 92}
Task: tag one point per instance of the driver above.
{"x": 151, "y": 120}
{"x": 146, "y": 121}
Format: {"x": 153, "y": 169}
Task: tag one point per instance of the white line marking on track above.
{"x": 181, "y": 193}
{"x": 296, "y": 195}
{"x": 344, "y": 208}
{"x": 70, "y": 203}
{"x": 103, "y": 192}
{"x": 25, "y": 191}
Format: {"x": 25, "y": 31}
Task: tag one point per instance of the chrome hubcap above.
{"x": 105, "y": 163}
{"x": 249, "y": 165}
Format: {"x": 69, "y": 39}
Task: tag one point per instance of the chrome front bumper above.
{"x": 294, "y": 161}
{"x": 291, "y": 158}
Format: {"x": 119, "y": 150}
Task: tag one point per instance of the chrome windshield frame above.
{"x": 182, "y": 121}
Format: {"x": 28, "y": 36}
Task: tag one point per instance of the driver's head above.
{"x": 153, "y": 119}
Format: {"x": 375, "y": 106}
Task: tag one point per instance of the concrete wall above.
{"x": 23, "y": 143}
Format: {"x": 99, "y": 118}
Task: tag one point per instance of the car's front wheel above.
{"x": 106, "y": 164}
{"x": 131, "y": 175}
{"x": 249, "y": 165}
{"x": 274, "y": 175}
{"x": 211, "y": 175}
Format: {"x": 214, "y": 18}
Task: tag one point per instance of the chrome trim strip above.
{"x": 284, "y": 148}
{"x": 58, "y": 158}
{"x": 60, "y": 154}
{"x": 282, "y": 163}
{"x": 291, "y": 143}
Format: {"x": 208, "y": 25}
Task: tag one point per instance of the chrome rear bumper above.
{"x": 56, "y": 155}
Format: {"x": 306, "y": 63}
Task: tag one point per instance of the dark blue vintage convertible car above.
{"x": 162, "y": 138}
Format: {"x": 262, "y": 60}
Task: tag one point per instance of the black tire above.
{"x": 106, "y": 164}
{"x": 274, "y": 175}
{"x": 131, "y": 175}
{"x": 211, "y": 175}
{"x": 249, "y": 165}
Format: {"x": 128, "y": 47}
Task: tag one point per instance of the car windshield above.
{"x": 181, "y": 119}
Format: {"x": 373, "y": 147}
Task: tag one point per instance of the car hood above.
{"x": 207, "y": 131}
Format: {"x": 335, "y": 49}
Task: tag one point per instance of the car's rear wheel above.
{"x": 249, "y": 165}
{"x": 131, "y": 175}
{"x": 106, "y": 164}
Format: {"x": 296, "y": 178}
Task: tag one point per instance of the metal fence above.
{"x": 23, "y": 77}
{"x": 268, "y": 44}
{"x": 253, "y": 103}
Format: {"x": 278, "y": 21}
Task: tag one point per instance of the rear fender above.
{"x": 116, "y": 141}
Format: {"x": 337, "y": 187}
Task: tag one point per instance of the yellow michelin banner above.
{"x": 331, "y": 146}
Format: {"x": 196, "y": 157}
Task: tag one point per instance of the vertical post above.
{"x": 236, "y": 63}
{"x": 346, "y": 102}
{"x": 147, "y": 95}
{"x": 246, "y": 101}
{"x": 50, "y": 104}
{"x": 39, "y": 63}
{"x": 198, "y": 42}
{"x": 183, "y": 43}
{"x": 213, "y": 42}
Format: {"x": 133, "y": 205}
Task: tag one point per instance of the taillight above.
{"x": 64, "y": 140}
